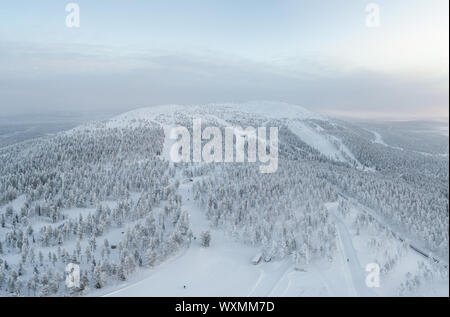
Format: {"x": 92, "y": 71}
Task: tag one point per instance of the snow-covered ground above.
{"x": 348, "y": 239}
{"x": 226, "y": 268}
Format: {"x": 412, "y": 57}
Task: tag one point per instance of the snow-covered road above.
{"x": 353, "y": 270}
{"x": 417, "y": 246}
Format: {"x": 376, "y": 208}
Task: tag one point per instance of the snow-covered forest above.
{"x": 107, "y": 197}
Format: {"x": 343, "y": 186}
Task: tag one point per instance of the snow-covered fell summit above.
{"x": 267, "y": 109}
{"x": 305, "y": 124}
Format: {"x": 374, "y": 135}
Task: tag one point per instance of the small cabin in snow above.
{"x": 257, "y": 259}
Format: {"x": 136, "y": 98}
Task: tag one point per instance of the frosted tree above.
{"x": 2, "y": 277}
{"x": 130, "y": 265}
{"x": 44, "y": 291}
{"x": 205, "y": 239}
{"x": 92, "y": 243}
{"x": 150, "y": 257}
{"x": 121, "y": 272}
{"x": 99, "y": 277}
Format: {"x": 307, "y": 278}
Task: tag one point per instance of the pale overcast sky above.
{"x": 316, "y": 53}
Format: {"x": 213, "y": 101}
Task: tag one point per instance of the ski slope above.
{"x": 329, "y": 146}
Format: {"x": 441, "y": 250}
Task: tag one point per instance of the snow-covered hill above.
{"x": 300, "y": 121}
{"x": 106, "y": 197}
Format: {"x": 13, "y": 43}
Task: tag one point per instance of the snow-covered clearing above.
{"x": 225, "y": 269}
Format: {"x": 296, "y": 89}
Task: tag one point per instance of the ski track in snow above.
{"x": 379, "y": 140}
